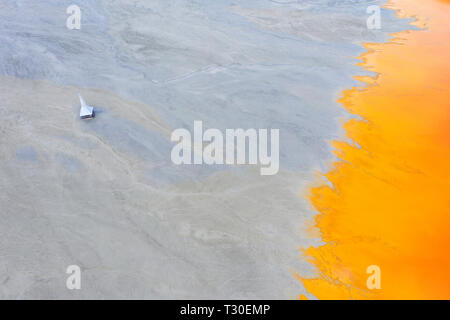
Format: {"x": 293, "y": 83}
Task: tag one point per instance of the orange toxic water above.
{"x": 389, "y": 201}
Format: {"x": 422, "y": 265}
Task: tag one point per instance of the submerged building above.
{"x": 86, "y": 112}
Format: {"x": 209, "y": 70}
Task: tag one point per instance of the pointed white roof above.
{"x": 85, "y": 111}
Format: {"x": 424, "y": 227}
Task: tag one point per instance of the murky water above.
{"x": 105, "y": 195}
